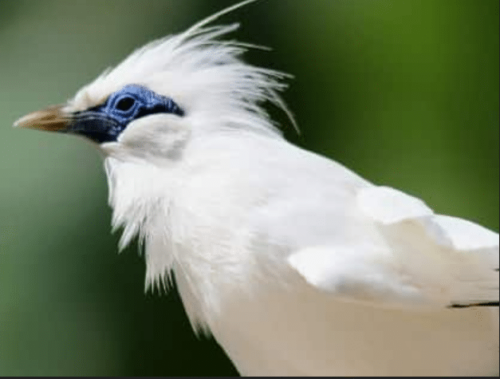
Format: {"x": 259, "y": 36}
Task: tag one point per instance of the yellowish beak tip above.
{"x": 50, "y": 119}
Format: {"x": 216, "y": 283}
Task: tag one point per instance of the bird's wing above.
{"x": 425, "y": 259}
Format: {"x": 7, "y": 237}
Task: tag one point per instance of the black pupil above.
{"x": 125, "y": 104}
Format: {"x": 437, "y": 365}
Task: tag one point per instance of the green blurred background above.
{"x": 405, "y": 92}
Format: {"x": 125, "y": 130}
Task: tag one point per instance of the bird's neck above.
{"x": 137, "y": 190}
{"x": 146, "y": 200}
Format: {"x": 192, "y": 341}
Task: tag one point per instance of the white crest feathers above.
{"x": 205, "y": 75}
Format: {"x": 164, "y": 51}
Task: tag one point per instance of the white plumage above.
{"x": 295, "y": 264}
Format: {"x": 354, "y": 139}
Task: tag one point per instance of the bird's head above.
{"x": 166, "y": 93}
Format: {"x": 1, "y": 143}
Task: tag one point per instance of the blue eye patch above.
{"x": 105, "y": 122}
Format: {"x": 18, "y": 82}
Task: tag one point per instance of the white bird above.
{"x": 295, "y": 264}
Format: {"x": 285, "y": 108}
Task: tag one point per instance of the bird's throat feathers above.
{"x": 144, "y": 202}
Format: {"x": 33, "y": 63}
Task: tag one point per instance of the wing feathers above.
{"x": 430, "y": 259}
{"x": 389, "y": 206}
{"x": 354, "y": 274}
{"x": 490, "y": 304}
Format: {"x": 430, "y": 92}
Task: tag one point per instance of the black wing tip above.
{"x": 487, "y": 304}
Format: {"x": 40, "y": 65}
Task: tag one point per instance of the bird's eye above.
{"x": 125, "y": 104}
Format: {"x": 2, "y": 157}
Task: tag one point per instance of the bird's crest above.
{"x": 205, "y": 75}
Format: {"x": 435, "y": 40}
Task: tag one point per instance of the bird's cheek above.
{"x": 161, "y": 136}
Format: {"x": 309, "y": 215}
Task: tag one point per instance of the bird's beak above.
{"x": 92, "y": 124}
{"x": 52, "y": 119}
